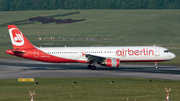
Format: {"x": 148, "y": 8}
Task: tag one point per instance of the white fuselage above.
{"x": 125, "y": 54}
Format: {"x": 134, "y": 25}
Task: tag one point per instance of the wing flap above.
{"x": 92, "y": 58}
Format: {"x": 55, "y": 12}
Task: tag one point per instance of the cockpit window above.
{"x": 166, "y": 51}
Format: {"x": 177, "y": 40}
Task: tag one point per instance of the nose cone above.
{"x": 172, "y": 56}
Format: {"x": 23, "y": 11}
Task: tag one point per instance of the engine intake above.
{"x": 111, "y": 62}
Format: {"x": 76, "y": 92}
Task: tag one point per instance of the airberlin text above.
{"x": 130, "y": 52}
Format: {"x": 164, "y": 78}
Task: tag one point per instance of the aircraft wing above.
{"x": 94, "y": 58}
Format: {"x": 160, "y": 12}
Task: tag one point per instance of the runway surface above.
{"x": 21, "y": 68}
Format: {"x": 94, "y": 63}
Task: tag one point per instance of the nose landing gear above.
{"x": 155, "y": 64}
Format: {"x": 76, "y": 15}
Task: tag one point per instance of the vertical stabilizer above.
{"x": 18, "y": 40}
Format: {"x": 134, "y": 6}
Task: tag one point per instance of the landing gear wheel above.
{"x": 93, "y": 67}
{"x": 156, "y": 66}
{"x": 89, "y": 67}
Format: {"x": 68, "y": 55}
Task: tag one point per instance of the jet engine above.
{"x": 111, "y": 62}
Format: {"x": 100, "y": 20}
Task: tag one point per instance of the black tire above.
{"x": 93, "y": 67}
{"x": 89, "y": 67}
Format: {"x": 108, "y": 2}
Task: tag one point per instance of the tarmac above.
{"x": 23, "y": 68}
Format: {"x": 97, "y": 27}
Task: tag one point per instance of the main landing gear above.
{"x": 93, "y": 67}
{"x": 155, "y": 64}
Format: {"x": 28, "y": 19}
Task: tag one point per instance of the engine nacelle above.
{"x": 111, "y": 63}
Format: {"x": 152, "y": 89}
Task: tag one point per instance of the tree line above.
{"x": 17, "y": 5}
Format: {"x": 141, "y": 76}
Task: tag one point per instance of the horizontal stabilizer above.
{"x": 15, "y": 52}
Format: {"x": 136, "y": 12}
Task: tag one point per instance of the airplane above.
{"x": 104, "y": 56}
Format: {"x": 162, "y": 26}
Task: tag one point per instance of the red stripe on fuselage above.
{"x": 41, "y": 56}
{"x": 141, "y": 60}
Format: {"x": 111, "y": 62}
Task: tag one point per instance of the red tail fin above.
{"x": 18, "y": 40}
